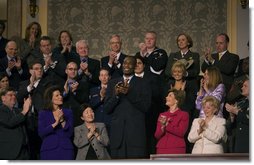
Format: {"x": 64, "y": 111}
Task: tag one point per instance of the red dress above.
{"x": 171, "y": 141}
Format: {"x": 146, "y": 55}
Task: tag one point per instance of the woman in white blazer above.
{"x": 208, "y": 133}
{"x": 91, "y": 138}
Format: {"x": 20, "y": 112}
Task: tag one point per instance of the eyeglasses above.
{"x": 72, "y": 69}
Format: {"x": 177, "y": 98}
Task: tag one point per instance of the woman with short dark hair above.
{"x": 91, "y": 137}
{"x": 55, "y": 127}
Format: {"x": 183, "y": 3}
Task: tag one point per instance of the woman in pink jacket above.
{"x": 172, "y": 125}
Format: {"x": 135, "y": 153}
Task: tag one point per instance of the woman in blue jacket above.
{"x": 55, "y": 127}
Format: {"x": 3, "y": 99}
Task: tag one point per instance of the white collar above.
{"x": 140, "y": 75}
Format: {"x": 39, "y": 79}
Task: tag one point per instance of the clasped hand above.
{"x": 121, "y": 88}
{"x": 92, "y": 131}
{"x": 164, "y": 120}
{"x": 202, "y": 126}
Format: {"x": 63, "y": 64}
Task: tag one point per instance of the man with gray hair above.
{"x": 88, "y": 68}
{"x": 114, "y": 59}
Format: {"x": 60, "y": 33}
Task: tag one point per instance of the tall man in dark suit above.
{"x": 114, "y": 60}
{"x": 13, "y": 66}
{"x": 53, "y": 64}
{"x": 76, "y": 92}
{"x": 128, "y": 98}
{"x": 34, "y": 87}
{"x": 88, "y": 68}
{"x": 3, "y": 41}
{"x": 156, "y": 107}
{"x": 226, "y": 62}
{"x": 13, "y": 138}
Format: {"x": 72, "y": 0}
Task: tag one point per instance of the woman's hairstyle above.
{"x": 179, "y": 96}
{"x": 180, "y": 65}
{"x": 64, "y": 31}
{"x": 142, "y": 59}
{"x": 189, "y": 39}
{"x": 215, "y": 77}
{"x": 214, "y": 102}
{"x": 83, "y": 107}
{"x": 3, "y": 75}
{"x": 27, "y": 35}
{"x": 48, "y": 95}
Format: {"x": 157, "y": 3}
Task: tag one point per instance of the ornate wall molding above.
{"x": 96, "y": 20}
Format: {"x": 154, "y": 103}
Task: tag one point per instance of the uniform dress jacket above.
{"x": 98, "y": 106}
{"x": 156, "y": 61}
{"x": 193, "y": 70}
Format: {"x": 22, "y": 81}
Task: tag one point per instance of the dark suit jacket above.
{"x": 55, "y": 139}
{"x": 12, "y": 133}
{"x": 114, "y": 70}
{"x": 155, "y": 84}
{"x": 241, "y": 127}
{"x": 128, "y": 117}
{"x": 227, "y": 66}
{"x": 32, "y": 116}
{"x": 193, "y": 70}
{"x": 3, "y": 42}
{"x": 74, "y": 100}
{"x": 37, "y": 98}
{"x": 243, "y": 67}
{"x": 15, "y": 77}
{"x": 93, "y": 68}
{"x": 58, "y": 73}
{"x": 68, "y": 56}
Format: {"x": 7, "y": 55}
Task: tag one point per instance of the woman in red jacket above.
{"x": 172, "y": 125}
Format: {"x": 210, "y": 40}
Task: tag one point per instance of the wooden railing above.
{"x": 203, "y": 157}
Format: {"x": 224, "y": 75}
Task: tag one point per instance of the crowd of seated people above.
{"x": 64, "y": 104}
